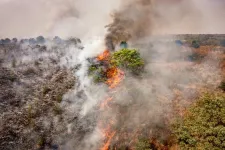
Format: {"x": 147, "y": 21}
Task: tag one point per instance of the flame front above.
{"x": 104, "y": 56}
{"x": 114, "y": 77}
{"x": 109, "y": 136}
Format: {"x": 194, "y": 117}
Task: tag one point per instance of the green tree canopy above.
{"x": 203, "y": 127}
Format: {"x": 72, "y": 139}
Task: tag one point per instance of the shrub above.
{"x": 32, "y": 41}
{"x": 222, "y": 43}
{"x": 40, "y": 40}
{"x": 14, "y": 63}
{"x": 203, "y": 126}
{"x": 46, "y": 90}
{"x": 57, "y": 40}
{"x": 195, "y": 44}
{"x": 222, "y": 85}
{"x": 59, "y": 98}
{"x": 195, "y": 56}
{"x": 129, "y": 59}
{"x": 143, "y": 144}
{"x": 57, "y": 109}
{"x": 7, "y": 41}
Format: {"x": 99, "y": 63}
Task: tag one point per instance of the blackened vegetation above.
{"x": 31, "y": 93}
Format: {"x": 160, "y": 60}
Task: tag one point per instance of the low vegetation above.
{"x": 203, "y": 126}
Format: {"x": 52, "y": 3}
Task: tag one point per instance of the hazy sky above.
{"x": 27, "y": 18}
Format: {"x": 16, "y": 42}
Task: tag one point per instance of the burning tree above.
{"x": 108, "y": 66}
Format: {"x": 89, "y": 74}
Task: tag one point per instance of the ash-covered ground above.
{"x": 32, "y": 85}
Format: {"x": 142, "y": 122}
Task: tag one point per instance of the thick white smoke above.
{"x": 65, "y": 18}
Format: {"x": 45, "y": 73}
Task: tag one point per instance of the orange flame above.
{"x": 115, "y": 76}
{"x": 109, "y": 136}
{"x": 104, "y": 56}
{"x": 104, "y": 104}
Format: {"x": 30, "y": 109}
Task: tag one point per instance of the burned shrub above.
{"x": 195, "y": 44}
{"x": 24, "y": 41}
{"x": 7, "y": 41}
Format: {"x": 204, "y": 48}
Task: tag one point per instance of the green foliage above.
{"x": 143, "y": 144}
{"x": 204, "y": 125}
{"x": 97, "y": 72}
{"x": 195, "y": 44}
{"x": 129, "y": 59}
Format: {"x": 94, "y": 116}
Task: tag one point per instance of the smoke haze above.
{"x": 29, "y": 18}
{"x": 140, "y": 104}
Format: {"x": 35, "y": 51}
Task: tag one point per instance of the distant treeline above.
{"x": 203, "y": 39}
{"x": 39, "y": 40}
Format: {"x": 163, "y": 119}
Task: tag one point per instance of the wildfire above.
{"x": 104, "y": 56}
{"x": 114, "y": 77}
{"x": 104, "y": 104}
{"x": 109, "y": 139}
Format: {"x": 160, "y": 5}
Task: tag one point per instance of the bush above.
{"x": 143, "y": 144}
{"x": 7, "y": 41}
{"x": 222, "y": 85}
{"x": 14, "y": 63}
{"x": 40, "y": 40}
{"x": 128, "y": 59}
{"x": 32, "y": 41}
{"x": 57, "y": 109}
{"x": 195, "y": 44}
{"x": 57, "y": 40}
{"x": 203, "y": 127}
{"x": 222, "y": 43}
